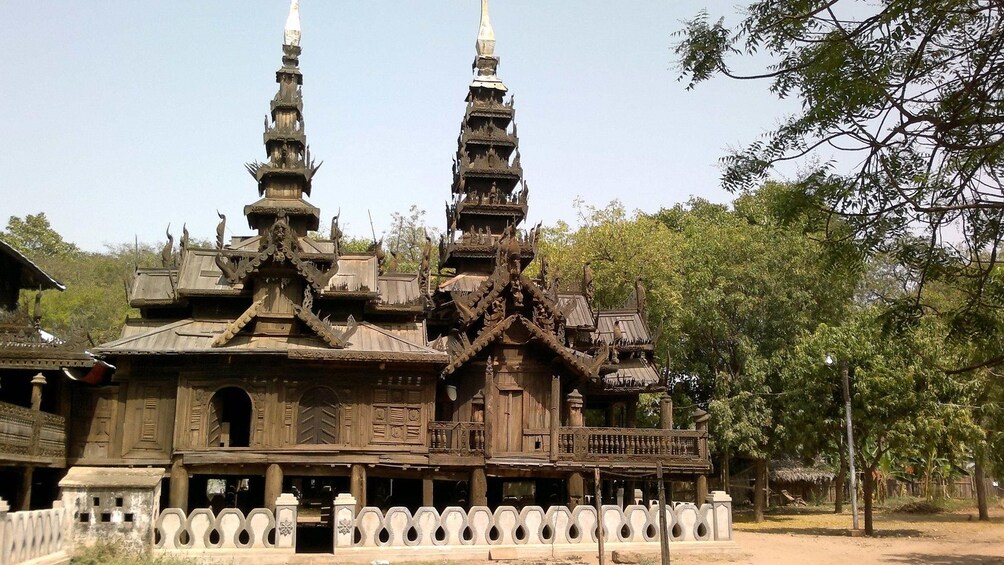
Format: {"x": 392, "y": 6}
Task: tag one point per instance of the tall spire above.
{"x": 292, "y": 32}
{"x": 489, "y": 195}
{"x": 285, "y": 178}
{"x": 486, "y": 35}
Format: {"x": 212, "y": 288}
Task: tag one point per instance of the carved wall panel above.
{"x": 397, "y": 415}
{"x": 93, "y": 422}
{"x": 149, "y": 419}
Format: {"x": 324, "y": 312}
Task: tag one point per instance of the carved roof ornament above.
{"x": 588, "y": 286}
{"x": 639, "y": 294}
{"x": 221, "y": 229}
{"x": 291, "y": 35}
{"x": 167, "y": 253}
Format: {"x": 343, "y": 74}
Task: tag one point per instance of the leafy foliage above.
{"x": 909, "y": 97}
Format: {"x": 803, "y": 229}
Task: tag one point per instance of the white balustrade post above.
{"x": 4, "y": 508}
{"x": 285, "y": 521}
{"x": 721, "y": 513}
{"x": 344, "y": 516}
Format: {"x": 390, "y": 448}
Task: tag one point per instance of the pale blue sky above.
{"x": 122, "y": 116}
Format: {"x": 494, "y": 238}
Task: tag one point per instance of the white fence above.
{"x": 31, "y": 534}
{"x": 230, "y": 530}
{"x": 532, "y": 527}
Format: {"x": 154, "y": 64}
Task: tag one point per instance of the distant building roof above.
{"x": 370, "y": 342}
{"x": 32, "y": 276}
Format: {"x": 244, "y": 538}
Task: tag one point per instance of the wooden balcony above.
{"x": 678, "y": 449}
{"x": 457, "y": 438}
{"x": 29, "y": 437}
{"x": 685, "y": 451}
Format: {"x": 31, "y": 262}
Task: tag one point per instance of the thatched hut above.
{"x": 810, "y": 482}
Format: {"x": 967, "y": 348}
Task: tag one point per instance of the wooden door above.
{"x": 509, "y": 435}
{"x": 318, "y": 418}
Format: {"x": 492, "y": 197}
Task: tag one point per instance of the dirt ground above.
{"x": 816, "y": 536}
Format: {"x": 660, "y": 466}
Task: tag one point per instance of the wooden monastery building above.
{"x": 39, "y": 376}
{"x": 276, "y": 362}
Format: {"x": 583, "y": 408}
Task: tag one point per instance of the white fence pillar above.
{"x": 721, "y": 515}
{"x": 285, "y": 521}
{"x": 344, "y": 516}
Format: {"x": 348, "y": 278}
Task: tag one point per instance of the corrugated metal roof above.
{"x": 399, "y": 289}
{"x": 579, "y": 317}
{"x": 199, "y": 274}
{"x": 405, "y": 341}
{"x": 355, "y": 273}
{"x": 151, "y": 286}
{"x": 633, "y": 328}
{"x": 463, "y": 283}
{"x": 634, "y": 375}
{"x": 32, "y": 276}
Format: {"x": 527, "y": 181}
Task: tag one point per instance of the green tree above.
{"x": 34, "y": 236}
{"x": 753, "y": 279}
{"x": 901, "y": 403}
{"x": 907, "y": 93}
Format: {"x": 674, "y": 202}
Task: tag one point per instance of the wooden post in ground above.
{"x": 599, "y": 512}
{"x": 663, "y": 526}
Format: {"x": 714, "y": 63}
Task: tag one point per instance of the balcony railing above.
{"x": 633, "y": 445}
{"x": 457, "y": 438}
{"x": 31, "y": 437}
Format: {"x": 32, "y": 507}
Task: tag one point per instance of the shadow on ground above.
{"x": 931, "y": 559}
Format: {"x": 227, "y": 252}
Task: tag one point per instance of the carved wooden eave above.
{"x": 583, "y": 366}
{"x": 279, "y": 246}
{"x": 239, "y": 324}
{"x": 336, "y": 340}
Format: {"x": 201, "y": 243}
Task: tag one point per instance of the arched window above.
{"x": 230, "y": 418}
{"x": 318, "y": 418}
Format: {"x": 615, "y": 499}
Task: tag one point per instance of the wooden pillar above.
{"x": 576, "y": 490}
{"x": 179, "y": 486}
{"x": 701, "y": 419}
{"x": 479, "y": 487}
{"x": 24, "y": 502}
{"x": 491, "y": 398}
{"x": 629, "y": 487}
{"x": 631, "y": 413}
{"x": 666, "y": 412}
{"x": 427, "y": 498}
{"x": 575, "y": 402}
{"x": 27, "y": 476}
{"x": 700, "y": 489}
{"x": 273, "y": 485}
{"x": 357, "y": 486}
{"x": 555, "y": 415}
{"x": 37, "y": 382}
{"x": 611, "y": 415}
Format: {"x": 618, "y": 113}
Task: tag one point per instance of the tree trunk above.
{"x": 869, "y": 484}
{"x": 726, "y": 478}
{"x": 838, "y": 502}
{"x": 981, "y": 490}
{"x": 760, "y": 490}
